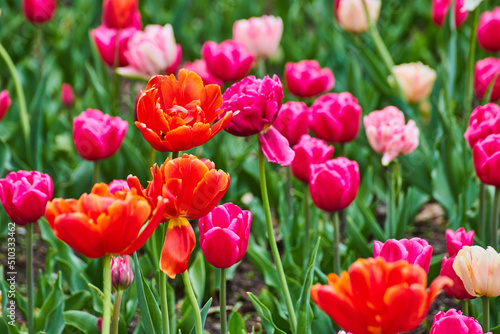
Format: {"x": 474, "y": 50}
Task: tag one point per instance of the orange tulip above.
{"x": 178, "y": 115}
{"x": 376, "y": 297}
{"x": 101, "y": 223}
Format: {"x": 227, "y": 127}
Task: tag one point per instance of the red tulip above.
{"x": 307, "y": 79}
{"x": 293, "y": 121}
{"x": 118, "y": 14}
{"x": 488, "y": 30}
{"x": 309, "y": 151}
{"x": 228, "y": 61}
{"x": 484, "y": 121}
{"x": 486, "y": 157}
{"x": 5, "y": 103}
{"x": 39, "y": 11}
{"x": 486, "y": 71}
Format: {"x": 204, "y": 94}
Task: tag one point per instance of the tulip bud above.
{"x": 39, "y": 11}
{"x": 5, "y": 103}
{"x": 484, "y": 121}
{"x": 122, "y": 275}
{"x": 415, "y": 251}
{"x": 455, "y": 240}
{"x": 440, "y": 10}
{"x": 260, "y": 35}
{"x": 293, "y": 121}
{"x": 416, "y": 80}
{"x": 118, "y": 14}
{"x": 228, "y": 61}
{"x": 457, "y": 290}
{"x": 351, "y": 15}
{"x": 455, "y": 322}
{"x": 486, "y": 71}
{"x": 199, "y": 66}
{"x": 105, "y": 41}
{"x": 488, "y": 30}
{"x": 67, "y": 95}
{"x": 99, "y": 324}
{"x": 485, "y": 157}
{"x": 309, "y": 151}
{"x": 307, "y": 79}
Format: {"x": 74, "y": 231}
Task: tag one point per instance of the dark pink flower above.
{"x": 486, "y": 71}
{"x": 119, "y": 14}
{"x": 39, "y": 11}
{"x": 5, "y": 103}
{"x": 293, "y": 121}
{"x": 307, "y": 79}
{"x": 455, "y": 240}
{"x": 309, "y": 151}
{"x": 228, "y": 61}
{"x": 415, "y": 251}
{"x": 457, "y": 290}
{"x": 488, "y": 30}
{"x": 484, "y": 121}
{"x": 440, "y": 9}
{"x": 118, "y": 185}
{"x": 67, "y": 95}
{"x": 486, "y": 158}
{"x": 105, "y": 41}
{"x": 455, "y": 322}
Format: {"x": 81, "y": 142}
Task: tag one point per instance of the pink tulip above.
{"x": 415, "y": 251}
{"x": 118, "y": 14}
{"x": 24, "y": 195}
{"x": 309, "y": 151}
{"x": 455, "y": 322}
{"x": 484, "y": 121}
{"x": 224, "y": 234}
{"x": 105, "y": 41}
{"x": 228, "y": 61}
{"x": 293, "y": 121}
{"x": 172, "y": 69}
{"x": 122, "y": 275}
{"x": 387, "y": 133}
{"x": 485, "y": 72}
{"x": 334, "y": 184}
{"x": 67, "y": 95}
{"x": 440, "y": 10}
{"x": 457, "y": 290}
{"x": 486, "y": 158}
{"x": 351, "y": 15}
{"x": 118, "y": 185}
{"x": 488, "y": 30}
{"x": 455, "y": 240}
{"x": 5, "y": 103}
{"x": 260, "y": 35}
{"x": 307, "y": 79}
{"x": 200, "y": 67}
{"x": 39, "y": 11}
{"x": 336, "y": 118}
{"x": 98, "y": 136}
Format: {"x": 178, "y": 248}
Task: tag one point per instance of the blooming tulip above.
{"x": 455, "y": 322}
{"x": 387, "y": 133}
{"x": 199, "y": 66}
{"x": 416, "y": 80}
{"x": 293, "y": 121}
{"x": 260, "y": 35}
{"x": 178, "y": 57}
{"x": 487, "y": 30}
{"x": 105, "y": 41}
{"x": 98, "y": 136}
{"x": 24, "y": 195}
{"x": 375, "y": 296}
{"x": 484, "y": 120}
{"x": 415, "y": 251}
{"x": 122, "y": 275}
{"x": 309, "y": 151}
{"x": 334, "y": 184}
{"x": 479, "y": 270}
{"x": 5, "y": 103}
{"x": 486, "y": 159}
{"x": 177, "y": 115}
{"x": 351, "y": 15}
{"x": 457, "y": 290}
{"x": 39, "y": 11}
{"x": 307, "y": 79}
{"x": 118, "y": 14}
{"x": 440, "y": 10}
{"x": 67, "y": 95}
{"x": 485, "y": 72}
{"x": 455, "y": 240}
{"x": 336, "y": 118}
{"x": 228, "y": 61}
{"x": 224, "y": 233}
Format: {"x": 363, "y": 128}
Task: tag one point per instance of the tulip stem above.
{"x": 95, "y": 175}
{"x": 482, "y": 213}
{"x": 222, "y": 301}
{"x": 29, "y": 277}
{"x": 465, "y": 307}
{"x": 39, "y": 51}
{"x": 152, "y": 157}
{"x": 336, "y": 243}
{"x": 106, "y": 314}
{"x": 116, "y": 312}
{"x": 494, "y": 220}
{"x": 272, "y": 241}
{"x": 175, "y": 155}
{"x": 165, "y": 321}
{"x": 289, "y": 190}
{"x": 307, "y": 225}
{"x": 194, "y": 302}
{"x": 390, "y": 228}
{"x": 486, "y": 313}
{"x": 470, "y": 64}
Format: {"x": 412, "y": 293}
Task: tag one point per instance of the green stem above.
{"x": 106, "y": 314}
{"x": 470, "y": 64}
{"x": 194, "y": 303}
{"x": 272, "y": 242}
{"x": 165, "y": 320}
{"x": 116, "y": 312}
{"x": 39, "y": 51}
{"x": 175, "y": 155}
{"x": 482, "y": 213}
{"x": 288, "y": 190}
{"x": 307, "y": 225}
{"x": 29, "y": 278}
{"x": 494, "y": 220}
{"x": 336, "y": 243}
{"x": 486, "y": 313}
{"x": 261, "y": 67}
{"x": 222, "y": 300}
{"x": 95, "y": 174}
{"x": 465, "y": 307}
{"x": 391, "y": 205}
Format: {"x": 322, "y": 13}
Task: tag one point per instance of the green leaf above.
{"x": 197, "y": 276}
{"x": 77, "y": 300}
{"x": 97, "y": 297}
{"x": 143, "y": 304}
{"x": 84, "y": 321}
{"x": 370, "y": 220}
{"x": 495, "y": 330}
{"x": 261, "y": 260}
{"x": 265, "y": 314}
{"x": 236, "y": 324}
{"x": 49, "y": 319}
{"x": 204, "y": 313}
{"x": 358, "y": 241}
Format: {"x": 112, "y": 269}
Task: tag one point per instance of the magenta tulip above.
{"x": 67, "y": 95}
{"x": 440, "y": 10}
{"x": 455, "y": 240}
{"x": 309, "y": 151}
{"x": 307, "y": 79}
{"x": 455, "y": 322}
{"x": 224, "y": 234}
{"x": 122, "y": 275}
{"x": 334, "y": 184}
{"x": 5, "y": 103}
{"x": 486, "y": 71}
{"x": 228, "y": 61}
{"x": 24, "y": 195}
{"x": 118, "y": 185}
{"x": 457, "y": 290}
{"x": 484, "y": 121}
{"x": 293, "y": 121}
{"x": 260, "y": 35}
{"x": 98, "y": 136}
{"x": 488, "y": 30}
{"x": 105, "y": 41}
{"x": 199, "y": 66}
{"x": 336, "y": 118}
{"x": 39, "y": 11}
{"x": 486, "y": 157}
{"x": 415, "y": 251}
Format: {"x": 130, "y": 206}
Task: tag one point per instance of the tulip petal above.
{"x": 276, "y": 148}
{"x": 221, "y": 247}
{"x": 179, "y": 243}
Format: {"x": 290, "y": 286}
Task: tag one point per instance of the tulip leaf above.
{"x": 97, "y": 297}
{"x": 357, "y": 239}
{"x": 83, "y": 321}
{"x": 77, "y": 300}
{"x": 204, "y": 313}
{"x": 370, "y": 220}
{"x": 236, "y": 324}
{"x": 495, "y": 330}
{"x": 265, "y": 314}
{"x": 50, "y": 316}
{"x": 260, "y": 259}
{"x": 143, "y": 304}
{"x": 197, "y": 276}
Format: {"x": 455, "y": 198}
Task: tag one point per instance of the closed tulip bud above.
{"x": 122, "y": 275}
{"x": 199, "y": 66}
{"x": 334, "y": 184}
{"x": 97, "y": 135}
{"x": 486, "y": 160}
{"x": 455, "y": 240}
{"x": 5, "y": 103}
{"x": 307, "y": 79}
{"x": 351, "y": 15}
{"x": 336, "y": 118}
{"x": 309, "y": 151}
{"x": 99, "y": 324}
{"x": 293, "y": 121}
{"x": 416, "y": 80}
{"x": 486, "y": 71}
{"x": 457, "y": 290}
{"x": 39, "y": 11}
{"x": 105, "y": 41}
{"x": 228, "y": 61}
{"x": 455, "y": 322}
{"x": 488, "y": 29}
{"x": 24, "y": 195}
{"x": 224, "y": 234}
{"x": 484, "y": 121}
{"x": 440, "y": 10}
{"x": 67, "y": 95}
{"x": 260, "y": 35}
{"x": 416, "y": 251}
{"x": 118, "y": 14}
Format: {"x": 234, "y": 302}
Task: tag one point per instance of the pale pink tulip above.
{"x": 416, "y": 80}
{"x": 260, "y": 35}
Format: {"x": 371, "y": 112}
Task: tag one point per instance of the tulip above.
{"x": 39, "y": 11}
{"x": 224, "y": 234}
{"x": 415, "y": 251}
{"x": 351, "y": 16}
{"x": 293, "y": 121}
{"x": 375, "y": 296}
{"x": 228, "y": 61}
{"x": 307, "y": 79}
{"x": 387, "y": 133}
{"x": 177, "y": 115}
{"x": 5, "y": 103}
{"x": 118, "y": 14}
{"x": 118, "y": 185}
{"x": 150, "y": 52}
{"x": 455, "y": 322}
{"x": 67, "y": 95}
{"x": 200, "y": 67}
{"x": 455, "y": 240}
{"x": 486, "y": 71}
{"x": 487, "y": 30}
{"x": 260, "y": 35}
{"x": 24, "y": 195}
{"x": 479, "y": 269}
{"x": 416, "y": 80}
{"x": 336, "y": 118}
{"x": 334, "y": 184}
{"x": 484, "y": 120}
{"x": 457, "y": 290}
{"x": 105, "y": 41}
{"x": 98, "y": 136}
{"x": 122, "y": 275}
{"x": 470, "y": 5}
{"x": 440, "y": 10}
{"x": 173, "y": 67}
{"x": 309, "y": 151}
{"x": 486, "y": 159}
